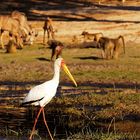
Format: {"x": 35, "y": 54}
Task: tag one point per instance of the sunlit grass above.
{"x": 81, "y": 62}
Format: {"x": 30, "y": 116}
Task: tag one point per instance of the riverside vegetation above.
{"x": 105, "y": 105}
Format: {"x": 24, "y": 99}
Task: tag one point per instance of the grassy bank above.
{"x": 33, "y": 64}
{"x": 107, "y": 92}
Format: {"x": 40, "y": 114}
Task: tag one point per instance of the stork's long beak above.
{"x": 68, "y": 72}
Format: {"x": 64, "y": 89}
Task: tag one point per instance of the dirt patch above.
{"x": 72, "y": 17}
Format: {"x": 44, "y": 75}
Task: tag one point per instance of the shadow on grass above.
{"x": 43, "y": 59}
{"x": 29, "y": 6}
{"x": 89, "y": 57}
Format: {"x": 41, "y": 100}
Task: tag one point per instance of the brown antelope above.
{"x": 28, "y": 31}
{"x": 49, "y": 28}
{"x": 12, "y": 26}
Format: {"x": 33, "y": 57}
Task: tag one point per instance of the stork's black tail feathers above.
{"x": 30, "y": 102}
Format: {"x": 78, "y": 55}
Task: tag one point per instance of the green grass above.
{"x": 111, "y": 105}
{"x": 26, "y": 66}
{"x": 81, "y": 62}
{"x": 31, "y": 64}
{"x": 101, "y": 136}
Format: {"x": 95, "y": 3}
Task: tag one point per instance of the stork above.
{"x": 42, "y": 94}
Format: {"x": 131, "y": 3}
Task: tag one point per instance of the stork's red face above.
{"x": 62, "y": 63}
{"x": 65, "y": 68}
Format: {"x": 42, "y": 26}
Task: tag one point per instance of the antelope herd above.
{"x": 20, "y": 33}
{"x": 18, "y": 29}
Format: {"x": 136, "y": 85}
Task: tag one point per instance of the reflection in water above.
{"x": 18, "y": 121}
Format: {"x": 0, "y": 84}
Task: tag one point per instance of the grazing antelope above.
{"x": 28, "y": 33}
{"x": 12, "y": 26}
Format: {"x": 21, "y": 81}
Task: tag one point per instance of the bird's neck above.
{"x": 56, "y": 73}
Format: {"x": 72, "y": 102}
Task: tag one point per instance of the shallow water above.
{"x": 16, "y": 122}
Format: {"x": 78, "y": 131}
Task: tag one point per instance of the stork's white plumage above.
{"x": 43, "y": 93}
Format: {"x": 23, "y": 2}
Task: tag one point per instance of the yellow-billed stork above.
{"x": 42, "y": 94}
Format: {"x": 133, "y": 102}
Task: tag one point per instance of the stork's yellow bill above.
{"x": 65, "y": 68}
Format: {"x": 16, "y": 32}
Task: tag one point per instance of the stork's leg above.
{"x": 35, "y": 123}
{"x": 46, "y": 124}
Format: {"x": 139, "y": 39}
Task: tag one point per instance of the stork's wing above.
{"x": 37, "y": 93}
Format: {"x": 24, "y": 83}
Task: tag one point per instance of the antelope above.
{"x": 49, "y": 28}
{"x": 29, "y": 32}
{"x": 12, "y": 26}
